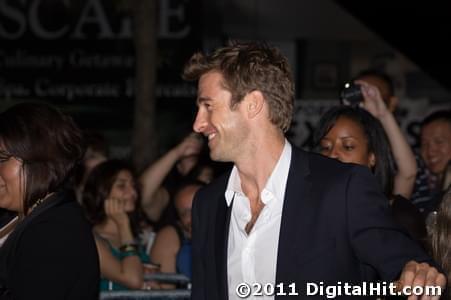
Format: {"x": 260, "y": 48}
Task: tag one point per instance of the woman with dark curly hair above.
{"x": 353, "y": 135}
{"x": 110, "y": 199}
{"x": 51, "y": 252}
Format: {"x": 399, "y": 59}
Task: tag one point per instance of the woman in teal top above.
{"x": 108, "y": 285}
{"x": 110, "y": 200}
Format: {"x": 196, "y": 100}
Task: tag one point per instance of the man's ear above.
{"x": 254, "y": 102}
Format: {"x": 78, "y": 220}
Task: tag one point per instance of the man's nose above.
{"x": 200, "y": 123}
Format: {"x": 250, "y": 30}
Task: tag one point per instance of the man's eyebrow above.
{"x": 201, "y": 100}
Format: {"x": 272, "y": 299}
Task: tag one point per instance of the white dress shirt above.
{"x": 252, "y": 258}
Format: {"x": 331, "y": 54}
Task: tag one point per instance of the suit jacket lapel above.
{"x": 294, "y": 225}
{"x": 223, "y": 214}
{"x": 295, "y": 216}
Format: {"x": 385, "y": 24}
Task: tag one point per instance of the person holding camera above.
{"x": 376, "y": 96}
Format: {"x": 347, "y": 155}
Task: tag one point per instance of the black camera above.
{"x": 351, "y": 94}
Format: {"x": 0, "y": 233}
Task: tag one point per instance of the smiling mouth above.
{"x": 434, "y": 160}
{"x": 211, "y": 136}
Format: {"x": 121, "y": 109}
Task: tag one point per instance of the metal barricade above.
{"x": 174, "y": 278}
{"x": 178, "y": 279}
{"x": 144, "y": 295}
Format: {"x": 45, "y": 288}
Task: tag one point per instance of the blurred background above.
{"x": 115, "y": 65}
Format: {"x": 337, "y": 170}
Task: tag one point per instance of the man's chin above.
{"x": 217, "y": 156}
{"x": 214, "y": 156}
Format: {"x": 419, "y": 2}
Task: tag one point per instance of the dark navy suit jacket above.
{"x": 336, "y": 226}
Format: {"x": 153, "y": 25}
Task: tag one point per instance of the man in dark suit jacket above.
{"x": 333, "y": 227}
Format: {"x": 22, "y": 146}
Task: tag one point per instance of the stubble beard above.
{"x": 218, "y": 154}
{"x": 228, "y": 148}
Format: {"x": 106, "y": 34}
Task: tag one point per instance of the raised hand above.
{"x": 115, "y": 209}
{"x": 191, "y": 145}
{"x": 372, "y": 100}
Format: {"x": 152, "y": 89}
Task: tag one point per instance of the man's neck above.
{"x": 256, "y": 167}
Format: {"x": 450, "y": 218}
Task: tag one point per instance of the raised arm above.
{"x": 151, "y": 179}
{"x": 402, "y": 152}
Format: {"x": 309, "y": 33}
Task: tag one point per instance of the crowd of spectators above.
{"x": 141, "y": 223}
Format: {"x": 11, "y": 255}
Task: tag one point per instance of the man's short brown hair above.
{"x": 247, "y": 67}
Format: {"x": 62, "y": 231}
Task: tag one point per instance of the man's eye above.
{"x": 349, "y": 147}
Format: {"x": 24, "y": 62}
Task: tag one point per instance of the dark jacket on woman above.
{"x": 51, "y": 254}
